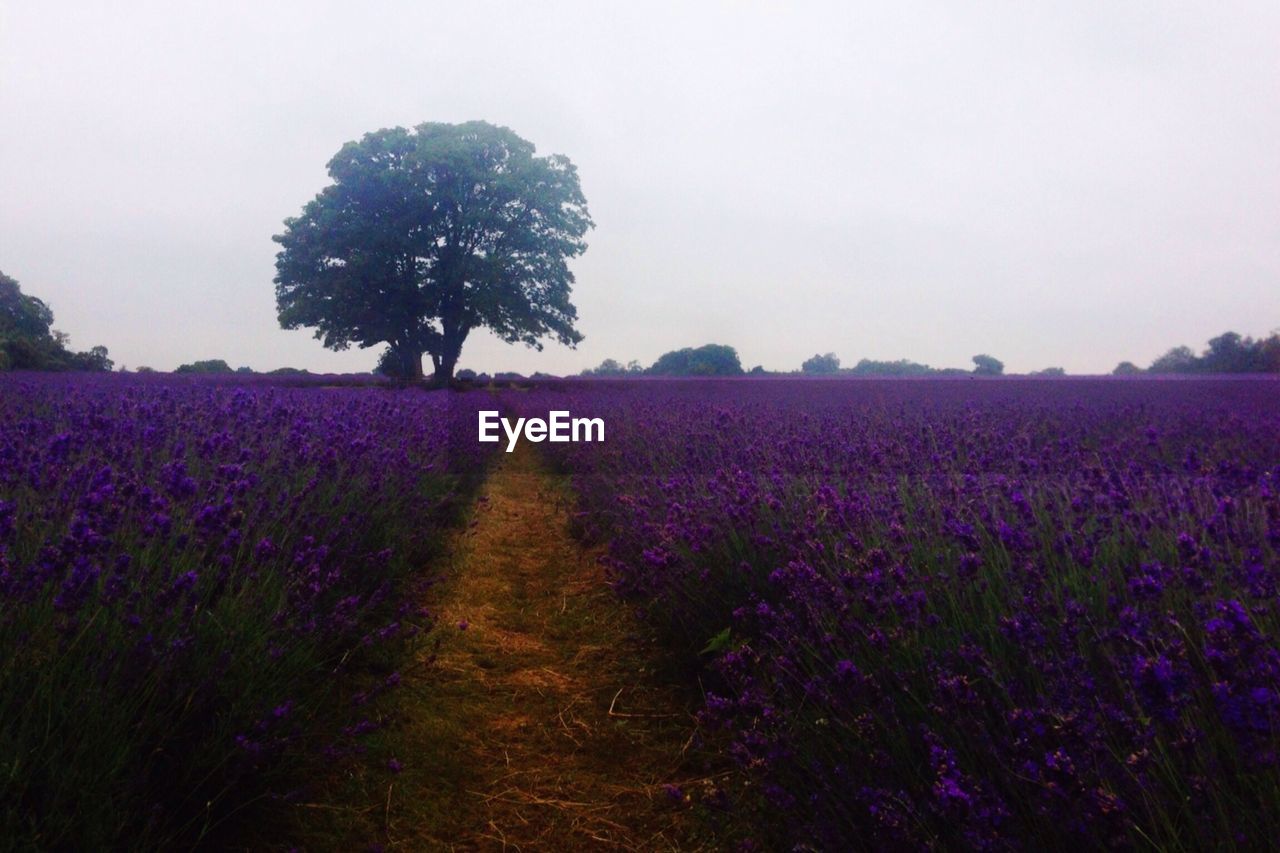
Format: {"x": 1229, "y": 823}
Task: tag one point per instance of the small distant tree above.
{"x": 821, "y": 365}
{"x": 1176, "y": 360}
{"x": 608, "y": 367}
{"x": 1269, "y": 353}
{"x": 706, "y": 360}
{"x": 466, "y": 375}
{"x": 1049, "y": 371}
{"x": 212, "y": 365}
{"x": 244, "y": 370}
{"x": 1126, "y": 368}
{"x": 985, "y": 365}
{"x": 1231, "y": 353}
{"x": 612, "y": 367}
{"x": 95, "y": 359}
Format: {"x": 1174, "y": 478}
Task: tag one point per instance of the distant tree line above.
{"x": 1229, "y": 352}
{"x": 210, "y": 365}
{"x": 706, "y": 360}
{"x": 218, "y": 366}
{"x": 28, "y": 340}
{"x": 829, "y": 365}
{"x": 610, "y": 367}
{"x": 721, "y": 360}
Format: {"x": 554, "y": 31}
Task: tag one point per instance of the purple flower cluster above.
{"x": 960, "y": 613}
{"x": 194, "y": 579}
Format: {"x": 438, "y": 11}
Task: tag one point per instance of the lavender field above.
{"x": 1005, "y": 614}
{"x": 205, "y": 587}
{"x": 998, "y": 615}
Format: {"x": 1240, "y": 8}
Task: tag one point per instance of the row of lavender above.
{"x": 198, "y": 583}
{"x": 990, "y": 614}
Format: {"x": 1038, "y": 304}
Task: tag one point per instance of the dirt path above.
{"x": 542, "y": 724}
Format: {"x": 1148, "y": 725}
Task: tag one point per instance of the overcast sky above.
{"x": 1054, "y": 183}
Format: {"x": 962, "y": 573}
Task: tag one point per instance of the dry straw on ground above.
{"x": 543, "y": 724}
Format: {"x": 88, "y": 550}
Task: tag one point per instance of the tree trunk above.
{"x": 444, "y": 370}
{"x": 450, "y": 351}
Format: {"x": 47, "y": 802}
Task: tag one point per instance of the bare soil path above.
{"x": 541, "y": 725}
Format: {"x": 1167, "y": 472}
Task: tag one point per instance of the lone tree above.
{"x": 706, "y": 360}
{"x": 985, "y": 365}
{"x": 429, "y": 233}
{"x": 1126, "y": 368}
{"x": 209, "y": 365}
{"x": 821, "y": 364}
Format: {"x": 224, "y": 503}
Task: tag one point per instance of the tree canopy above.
{"x": 428, "y": 233}
{"x": 28, "y": 340}
{"x": 22, "y": 315}
{"x": 901, "y": 367}
{"x": 821, "y": 364}
{"x": 1229, "y": 352}
{"x": 1177, "y": 360}
{"x": 209, "y": 365}
{"x": 613, "y": 367}
{"x": 706, "y": 360}
{"x": 986, "y": 365}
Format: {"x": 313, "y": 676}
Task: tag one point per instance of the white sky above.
{"x": 1063, "y": 183}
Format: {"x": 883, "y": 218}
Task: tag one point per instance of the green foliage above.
{"x": 821, "y": 364}
{"x": 1227, "y": 353}
{"x": 28, "y": 341}
{"x": 427, "y": 234}
{"x": 95, "y": 359}
{"x": 706, "y": 360}
{"x": 398, "y": 364}
{"x": 1126, "y": 368}
{"x": 901, "y": 367}
{"x": 22, "y": 316}
{"x": 212, "y": 365}
{"x": 1048, "y": 371}
{"x": 719, "y": 642}
{"x": 611, "y": 367}
{"x": 985, "y": 365}
{"x": 1176, "y": 360}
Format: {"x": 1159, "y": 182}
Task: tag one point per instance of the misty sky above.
{"x": 1054, "y": 183}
